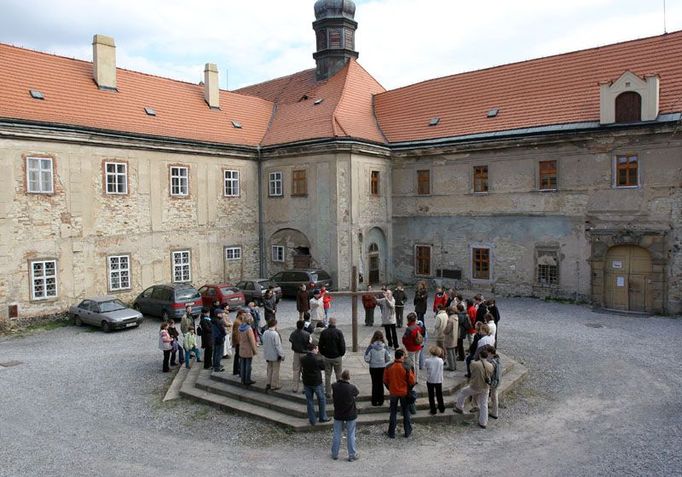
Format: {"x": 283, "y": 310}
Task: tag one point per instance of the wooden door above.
{"x": 374, "y": 264}
{"x": 628, "y": 270}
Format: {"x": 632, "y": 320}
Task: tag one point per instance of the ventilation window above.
{"x": 35, "y": 94}
{"x": 236, "y": 124}
{"x": 303, "y": 98}
{"x": 150, "y": 111}
{"x": 318, "y": 101}
{"x": 434, "y": 121}
{"x": 493, "y": 112}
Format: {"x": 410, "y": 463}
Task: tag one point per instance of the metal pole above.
{"x": 354, "y": 289}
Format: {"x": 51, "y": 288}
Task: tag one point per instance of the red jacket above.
{"x": 326, "y": 300}
{"x": 398, "y": 379}
{"x": 369, "y": 301}
{"x": 471, "y": 312}
{"x": 441, "y": 299}
{"x": 409, "y": 338}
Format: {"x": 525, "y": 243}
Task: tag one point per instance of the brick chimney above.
{"x": 104, "y": 61}
{"x": 211, "y": 89}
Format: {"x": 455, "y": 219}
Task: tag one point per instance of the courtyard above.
{"x": 602, "y": 397}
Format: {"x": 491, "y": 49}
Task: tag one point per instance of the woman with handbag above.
{"x": 378, "y": 357}
{"x": 165, "y": 345}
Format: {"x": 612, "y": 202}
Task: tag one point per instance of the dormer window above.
{"x": 628, "y": 107}
{"x": 629, "y": 99}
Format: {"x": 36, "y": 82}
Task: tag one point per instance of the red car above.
{"x": 230, "y": 296}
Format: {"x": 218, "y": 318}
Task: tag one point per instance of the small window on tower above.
{"x": 335, "y": 39}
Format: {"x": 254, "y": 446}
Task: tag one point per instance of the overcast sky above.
{"x": 400, "y": 41}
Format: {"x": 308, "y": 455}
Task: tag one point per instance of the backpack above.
{"x": 418, "y": 337}
{"x": 496, "y": 374}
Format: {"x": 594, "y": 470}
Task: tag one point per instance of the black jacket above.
{"x": 311, "y": 369}
{"x": 218, "y": 330}
{"x": 400, "y": 297}
{"x": 299, "y": 340}
{"x": 420, "y": 298}
{"x": 481, "y": 312}
{"x": 270, "y": 307}
{"x": 206, "y": 332}
{"x": 332, "y": 344}
{"x": 492, "y": 309}
{"x": 344, "y": 394}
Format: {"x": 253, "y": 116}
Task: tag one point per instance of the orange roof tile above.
{"x": 546, "y": 91}
{"x": 72, "y": 98}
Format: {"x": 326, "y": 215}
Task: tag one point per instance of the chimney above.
{"x": 211, "y": 89}
{"x": 104, "y": 61}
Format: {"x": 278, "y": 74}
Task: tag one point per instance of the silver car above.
{"x": 108, "y": 312}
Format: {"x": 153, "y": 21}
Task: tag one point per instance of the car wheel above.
{"x": 164, "y": 315}
{"x": 106, "y": 327}
{"x": 77, "y": 321}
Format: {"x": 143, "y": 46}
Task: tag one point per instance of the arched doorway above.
{"x": 627, "y": 274}
{"x": 374, "y": 264}
{"x": 289, "y": 248}
{"x": 376, "y": 256}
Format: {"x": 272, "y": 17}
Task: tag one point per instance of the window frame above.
{"x": 417, "y": 258}
{"x": 374, "y": 183}
{"x": 231, "y": 182}
{"x": 110, "y": 272}
{"x": 44, "y": 278}
{"x": 189, "y": 266}
{"x": 474, "y": 249}
{"x": 115, "y": 174}
{"x": 233, "y": 249}
{"x": 275, "y": 252}
{"x": 539, "y": 252}
{"x": 420, "y": 174}
{"x": 274, "y": 182}
{"x": 476, "y": 177}
{"x": 541, "y": 186}
{"x": 40, "y": 175}
{"x": 616, "y": 173}
{"x": 297, "y": 181}
{"x": 180, "y": 179}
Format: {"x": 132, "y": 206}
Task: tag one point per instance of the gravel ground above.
{"x": 602, "y": 398}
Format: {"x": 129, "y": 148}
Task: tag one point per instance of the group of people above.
{"x": 319, "y": 346}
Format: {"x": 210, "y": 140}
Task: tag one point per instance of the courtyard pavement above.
{"x": 603, "y": 397}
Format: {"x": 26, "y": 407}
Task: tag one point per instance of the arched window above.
{"x": 373, "y": 248}
{"x": 628, "y": 107}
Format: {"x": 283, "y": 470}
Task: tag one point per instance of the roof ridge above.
{"x": 537, "y": 59}
{"x": 290, "y": 76}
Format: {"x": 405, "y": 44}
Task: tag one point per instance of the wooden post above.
{"x": 354, "y": 289}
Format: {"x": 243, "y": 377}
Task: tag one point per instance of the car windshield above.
{"x": 187, "y": 294}
{"x": 267, "y": 283}
{"x": 229, "y": 290}
{"x": 113, "y": 305}
{"x": 323, "y": 275}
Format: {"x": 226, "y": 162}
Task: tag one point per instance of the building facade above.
{"x": 552, "y": 177}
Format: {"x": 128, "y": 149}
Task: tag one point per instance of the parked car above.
{"x": 107, "y": 312}
{"x": 168, "y": 301}
{"x": 291, "y": 280}
{"x": 255, "y": 289}
{"x": 230, "y": 296}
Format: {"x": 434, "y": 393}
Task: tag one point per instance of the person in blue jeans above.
{"x": 345, "y": 412}
{"x": 399, "y": 379}
{"x": 312, "y": 366}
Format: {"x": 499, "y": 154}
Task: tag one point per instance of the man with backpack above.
{"x": 413, "y": 340}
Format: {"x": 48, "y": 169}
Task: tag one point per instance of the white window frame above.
{"x": 116, "y": 174}
{"x": 614, "y": 172}
{"x": 275, "y": 184}
{"x": 278, "y": 253}
{"x": 179, "y": 265}
{"x": 43, "y": 279}
{"x": 181, "y": 188}
{"x": 231, "y": 185}
{"x": 43, "y": 185}
{"x": 116, "y": 269}
{"x": 233, "y": 253}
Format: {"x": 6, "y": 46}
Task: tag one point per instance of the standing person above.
{"x": 400, "y": 298}
{"x": 165, "y": 345}
{"x": 316, "y": 308}
{"x": 302, "y": 302}
{"x": 312, "y": 365}
{"x": 269, "y": 305}
{"x": 252, "y": 309}
{"x": 332, "y": 348}
{"x": 345, "y": 413}
{"x": 378, "y": 357}
{"x": 399, "y": 379}
{"x": 463, "y": 322}
{"x": 490, "y": 321}
{"x": 420, "y": 298}
{"x": 471, "y": 327}
{"x": 247, "y": 350}
{"x": 451, "y": 338}
{"x": 187, "y": 320}
{"x": 493, "y": 310}
{"x": 439, "y": 299}
{"x": 227, "y": 345}
{"x": 434, "y": 378}
{"x": 239, "y": 319}
{"x": 177, "y": 337}
{"x": 440, "y": 323}
{"x": 413, "y": 341}
{"x": 452, "y": 298}
{"x": 326, "y": 304}
{"x": 299, "y": 339}
{"x": 481, "y": 338}
{"x": 481, "y": 308}
{"x": 190, "y": 344}
{"x": 495, "y": 380}
{"x": 317, "y": 331}
{"x": 478, "y": 388}
{"x": 219, "y": 332}
{"x": 206, "y": 337}
{"x": 387, "y": 305}
{"x": 369, "y": 303}
{"x": 274, "y": 355}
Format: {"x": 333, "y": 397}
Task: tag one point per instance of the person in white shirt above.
{"x": 316, "y": 308}
{"x": 434, "y": 378}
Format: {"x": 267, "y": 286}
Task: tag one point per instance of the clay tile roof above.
{"x": 72, "y": 98}
{"x": 346, "y": 109}
{"x": 559, "y": 89}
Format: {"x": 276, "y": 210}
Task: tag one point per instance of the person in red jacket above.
{"x": 471, "y": 325}
{"x": 440, "y": 298}
{"x": 413, "y": 340}
{"x": 369, "y": 303}
{"x": 326, "y": 304}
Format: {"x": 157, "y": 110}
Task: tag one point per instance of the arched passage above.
{"x": 627, "y": 274}
{"x": 289, "y": 248}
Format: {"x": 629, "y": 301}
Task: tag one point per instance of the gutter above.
{"x": 261, "y": 217}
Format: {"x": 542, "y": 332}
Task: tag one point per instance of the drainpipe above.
{"x": 350, "y": 205}
{"x": 261, "y": 218}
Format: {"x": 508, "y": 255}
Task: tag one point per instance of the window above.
{"x": 481, "y": 263}
{"x": 119, "y": 272}
{"x": 277, "y": 253}
{"x": 275, "y": 184}
{"x": 627, "y": 171}
{"x": 374, "y": 183}
{"x": 628, "y": 107}
{"x": 179, "y": 181}
{"x": 423, "y": 182}
{"x": 233, "y": 253}
{"x": 422, "y": 260}
{"x": 231, "y": 183}
{"x": 182, "y": 266}
{"x": 548, "y": 267}
{"x": 548, "y": 175}
{"x": 43, "y": 279}
{"x": 299, "y": 184}
{"x": 39, "y": 175}
{"x": 480, "y": 178}
{"x": 116, "y": 174}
